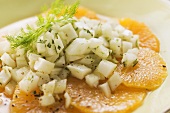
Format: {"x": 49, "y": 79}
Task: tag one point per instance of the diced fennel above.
{"x": 29, "y": 82}
{"x": 92, "y": 80}
{"x": 8, "y": 60}
{"x": 106, "y": 68}
{"x": 5, "y": 76}
{"x": 60, "y": 86}
{"x": 47, "y": 100}
{"x": 44, "y": 66}
{"x": 49, "y": 87}
{"x": 105, "y": 89}
{"x": 84, "y": 48}
{"x": 79, "y": 71}
{"x": 68, "y": 99}
{"x": 10, "y": 87}
{"x": 114, "y": 81}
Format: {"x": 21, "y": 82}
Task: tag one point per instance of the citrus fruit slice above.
{"x": 81, "y": 11}
{"x": 92, "y": 100}
{"x": 29, "y": 103}
{"x": 146, "y": 37}
{"x": 149, "y": 73}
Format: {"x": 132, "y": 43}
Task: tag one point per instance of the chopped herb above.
{"x": 76, "y": 28}
{"x": 59, "y": 47}
{"x": 52, "y": 41}
{"x": 124, "y": 64}
{"x": 135, "y": 62}
{"x": 164, "y": 66}
{"x": 49, "y": 45}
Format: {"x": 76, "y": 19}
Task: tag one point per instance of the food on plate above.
{"x": 73, "y": 60}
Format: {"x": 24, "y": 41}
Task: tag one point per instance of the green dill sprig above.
{"x": 58, "y": 13}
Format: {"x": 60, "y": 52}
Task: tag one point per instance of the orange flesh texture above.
{"x": 149, "y": 73}
{"x": 124, "y": 99}
{"x": 84, "y": 99}
{"x": 90, "y": 100}
{"x": 146, "y": 37}
{"x": 29, "y": 103}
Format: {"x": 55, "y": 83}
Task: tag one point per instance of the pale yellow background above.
{"x": 13, "y": 10}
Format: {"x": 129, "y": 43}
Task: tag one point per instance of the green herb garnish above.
{"x": 58, "y": 13}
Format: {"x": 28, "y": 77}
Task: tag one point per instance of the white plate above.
{"x": 156, "y": 15}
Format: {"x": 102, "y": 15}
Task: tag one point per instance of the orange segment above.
{"x": 29, "y": 103}
{"x": 81, "y": 11}
{"x": 149, "y": 73}
{"x": 146, "y": 37}
{"x": 91, "y": 100}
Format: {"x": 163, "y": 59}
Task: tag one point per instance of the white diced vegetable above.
{"x": 14, "y": 74}
{"x": 43, "y": 78}
{"x": 119, "y": 29}
{"x": 60, "y": 86}
{"x": 100, "y": 76}
{"x": 29, "y": 82}
{"x": 58, "y": 44}
{"x": 5, "y": 76}
{"x": 116, "y": 47}
{"x": 20, "y": 52}
{"x": 21, "y": 61}
{"x": 5, "y": 47}
{"x": 33, "y": 57}
{"x": 79, "y": 46}
{"x": 67, "y": 100}
{"x": 106, "y": 68}
{"x": 69, "y": 31}
{"x": 51, "y": 49}
{"x": 64, "y": 73}
{"x": 55, "y": 72}
{"x": 133, "y": 51}
{"x": 87, "y": 60}
{"x": 10, "y": 87}
{"x": 20, "y": 73}
{"x": 129, "y": 59}
{"x": 80, "y": 25}
{"x": 95, "y": 42}
{"x": 135, "y": 41}
{"x": 79, "y": 71}
{"x": 101, "y": 51}
{"x": 44, "y": 66}
{"x": 107, "y": 31}
{"x": 105, "y": 42}
{"x": 8, "y": 60}
{"x": 126, "y": 46}
{"x": 41, "y": 47}
{"x": 105, "y": 89}
{"x": 85, "y": 34}
{"x": 49, "y": 87}
{"x": 56, "y": 27}
{"x": 114, "y": 81}
{"x": 52, "y": 58}
{"x": 126, "y": 35}
{"x": 60, "y": 62}
{"x": 70, "y": 58}
{"x": 92, "y": 80}
{"x": 47, "y": 100}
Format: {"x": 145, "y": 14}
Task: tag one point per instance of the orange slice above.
{"x": 146, "y": 37}
{"x": 149, "y": 73}
{"x": 29, "y": 103}
{"x": 81, "y": 11}
{"x": 84, "y": 99}
{"x": 92, "y": 100}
